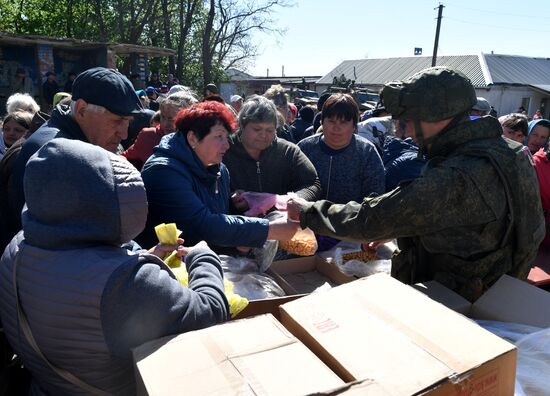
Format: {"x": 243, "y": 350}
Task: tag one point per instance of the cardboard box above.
{"x": 305, "y": 274}
{"x": 508, "y": 300}
{"x": 381, "y": 330}
{"x": 256, "y": 356}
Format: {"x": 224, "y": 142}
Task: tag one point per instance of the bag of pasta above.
{"x": 303, "y": 243}
{"x": 168, "y": 234}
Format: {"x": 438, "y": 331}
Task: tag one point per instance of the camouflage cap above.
{"x": 431, "y": 95}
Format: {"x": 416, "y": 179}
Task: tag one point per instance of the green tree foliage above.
{"x": 204, "y": 46}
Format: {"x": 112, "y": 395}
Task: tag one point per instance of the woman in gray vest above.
{"x": 73, "y": 300}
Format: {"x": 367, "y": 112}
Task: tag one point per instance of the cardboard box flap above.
{"x": 437, "y": 292}
{"x": 513, "y": 300}
{"x": 379, "y": 328}
{"x": 244, "y": 357}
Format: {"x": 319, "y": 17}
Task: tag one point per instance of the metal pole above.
{"x": 436, "y": 44}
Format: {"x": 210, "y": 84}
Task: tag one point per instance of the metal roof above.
{"x": 380, "y": 71}
{"x": 511, "y": 69}
{"x": 119, "y": 48}
{"x": 482, "y": 69}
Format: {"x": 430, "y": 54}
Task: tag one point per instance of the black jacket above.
{"x": 61, "y": 124}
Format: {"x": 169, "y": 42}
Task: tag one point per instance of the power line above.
{"x": 497, "y": 27}
{"x": 498, "y": 12}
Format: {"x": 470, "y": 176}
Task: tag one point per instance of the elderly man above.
{"x": 103, "y": 103}
{"x": 473, "y": 215}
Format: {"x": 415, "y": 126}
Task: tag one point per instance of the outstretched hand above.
{"x": 293, "y": 207}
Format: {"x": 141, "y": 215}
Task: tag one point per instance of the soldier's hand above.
{"x": 293, "y": 207}
{"x": 371, "y": 246}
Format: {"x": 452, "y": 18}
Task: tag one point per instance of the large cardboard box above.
{"x": 508, "y": 300}
{"x": 404, "y": 343}
{"x": 256, "y": 356}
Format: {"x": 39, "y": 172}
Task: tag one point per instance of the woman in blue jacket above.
{"x": 188, "y": 184}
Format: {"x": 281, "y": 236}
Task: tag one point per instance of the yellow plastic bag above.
{"x": 168, "y": 234}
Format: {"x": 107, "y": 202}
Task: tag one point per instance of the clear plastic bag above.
{"x": 533, "y": 362}
{"x": 533, "y": 367}
{"x": 512, "y": 332}
{"x": 260, "y": 259}
{"x": 384, "y": 251}
{"x": 238, "y": 265}
{"x": 254, "y": 286}
{"x": 303, "y": 243}
{"x": 265, "y": 255}
{"x": 361, "y": 268}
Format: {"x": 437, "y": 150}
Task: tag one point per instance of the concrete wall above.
{"x": 507, "y": 99}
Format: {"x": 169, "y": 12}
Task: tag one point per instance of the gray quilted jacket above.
{"x": 88, "y": 300}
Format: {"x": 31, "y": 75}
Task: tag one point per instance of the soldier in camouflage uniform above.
{"x": 475, "y": 212}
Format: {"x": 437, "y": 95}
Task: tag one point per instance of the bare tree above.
{"x": 186, "y": 17}
{"x": 208, "y": 45}
{"x": 228, "y": 42}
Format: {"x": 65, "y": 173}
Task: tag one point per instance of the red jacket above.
{"x": 542, "y": 166}
{"x": 144, "y": 146}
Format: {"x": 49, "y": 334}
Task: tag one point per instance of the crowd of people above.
{"x": 84, "y": 185}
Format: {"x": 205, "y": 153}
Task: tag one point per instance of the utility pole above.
{"x": 436, "y": 44}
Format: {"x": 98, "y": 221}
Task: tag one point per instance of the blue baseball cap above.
{"x": 151, "y": 90}
{"x": 107, "y": 88}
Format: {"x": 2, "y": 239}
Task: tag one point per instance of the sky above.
{"x": 320, "y": 34}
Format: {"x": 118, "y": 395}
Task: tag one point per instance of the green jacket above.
{"x": 473, "y": 215}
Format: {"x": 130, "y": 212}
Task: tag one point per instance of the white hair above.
{"x": 90, "y": 106}
{"x": 180, "y": 99}
{"x": 179, "y": 88}
{"x": 21, "y": 102}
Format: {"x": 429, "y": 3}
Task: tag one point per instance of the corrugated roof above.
{"x": 380, "y": 71}
{"x": 483, "y": 69}
{"x": 512, "y": 69}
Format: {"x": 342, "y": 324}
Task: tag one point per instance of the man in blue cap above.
{"x": 153, "y": 95}
{"x": 103, "y": 103}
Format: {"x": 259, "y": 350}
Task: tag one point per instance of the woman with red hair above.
{"x": 188, "y": 184}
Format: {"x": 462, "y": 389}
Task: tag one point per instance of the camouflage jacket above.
{"x": 473, "y": 215}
